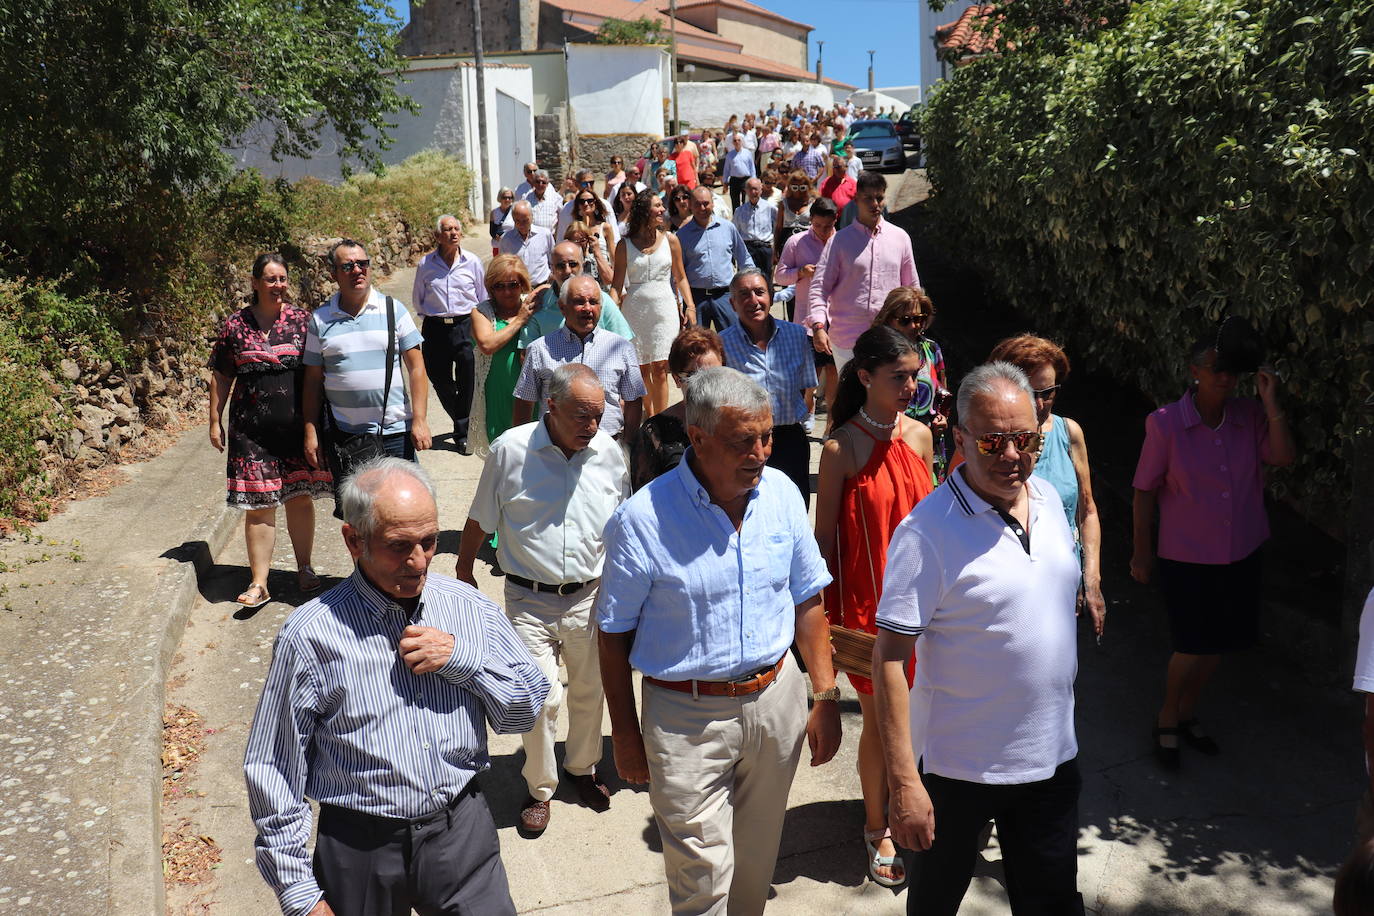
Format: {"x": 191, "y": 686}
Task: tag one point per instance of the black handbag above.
{"x": 348, "y": 451}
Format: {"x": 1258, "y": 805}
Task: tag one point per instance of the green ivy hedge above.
{"x": 1124, "y": 188}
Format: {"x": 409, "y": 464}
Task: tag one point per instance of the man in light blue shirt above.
{"x": 713, "y": 251}
{"x": 711, "y": 571}
{"x": 756, "y": 218}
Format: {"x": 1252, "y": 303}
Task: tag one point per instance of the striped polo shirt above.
{"x": 352, "y": 350}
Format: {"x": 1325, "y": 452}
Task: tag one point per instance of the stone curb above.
{"x": 136, "y": 885}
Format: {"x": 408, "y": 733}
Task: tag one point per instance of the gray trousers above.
{"x": 444, "y": 864}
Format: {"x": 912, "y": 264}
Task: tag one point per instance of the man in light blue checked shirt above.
{"x": 777, "y": 355}
{"x": 376, "y": 705}
{"x": 711, "y": 570}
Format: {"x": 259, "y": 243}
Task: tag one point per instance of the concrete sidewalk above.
{"x": 91, "y": 630}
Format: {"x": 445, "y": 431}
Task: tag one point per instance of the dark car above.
{"x": 906, "y": 127}
{"x": 877, "y": 145}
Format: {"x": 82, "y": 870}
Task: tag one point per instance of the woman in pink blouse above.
{"x": 1201, "y": 465}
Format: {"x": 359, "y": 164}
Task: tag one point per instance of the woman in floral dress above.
{"x": 257, "y": 358}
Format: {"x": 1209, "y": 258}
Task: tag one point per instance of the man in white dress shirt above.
{"x": 544, "y": 201}
{"x": 547, "y": 491}
{"x": 529, "y": 242}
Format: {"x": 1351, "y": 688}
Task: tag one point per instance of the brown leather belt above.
{"x": 737, "y": 688}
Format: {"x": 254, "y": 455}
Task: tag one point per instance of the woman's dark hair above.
{"x": 618, "y": 204}
{"x": 600, "y": 206}
{"x": 260, "y": 264}
{"x": 875, "y": 347}
{"x": 1354, "y": 895}
{"x": 640, "y": 215}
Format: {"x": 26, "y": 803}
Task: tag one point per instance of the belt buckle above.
{"x": 571, "y": 588}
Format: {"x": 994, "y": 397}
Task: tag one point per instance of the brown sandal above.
{"x": 306, "y": 579}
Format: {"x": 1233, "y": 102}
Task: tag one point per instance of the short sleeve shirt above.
{"x": 1210, "y": 482}
{"x": 997, "y": 652}
{"x": 352, "y": 350}
{"x": 610, "y": 356}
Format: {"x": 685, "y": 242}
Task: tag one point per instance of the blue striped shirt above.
{"x": 785, "y": 369}
{"x": 610, "y": 356}
{"x": 344, "y": 721}
{"x": 352, "y": 350}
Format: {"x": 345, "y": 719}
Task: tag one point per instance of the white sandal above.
{"x": 875, "y": 861}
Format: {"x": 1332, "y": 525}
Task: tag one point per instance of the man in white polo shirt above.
{"x": 983, "y": 573}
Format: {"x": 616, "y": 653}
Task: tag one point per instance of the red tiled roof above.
{"x": 630, "y": 10}
{"x": 740, "y": 5}
{"x": 749, "y": 64}
{"x": 968, "y": 36}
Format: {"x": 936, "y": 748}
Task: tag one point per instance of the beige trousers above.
{"x": 720, "y": 769}
{"x": 554, "y": 627}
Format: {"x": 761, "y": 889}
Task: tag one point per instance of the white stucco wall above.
{"x": 878, "y": 99}
{"x": 616, "y": 89}
{"x": 709, "y": 105}
{"x": 907, "y": 95}
{"x": 447, "y": 94}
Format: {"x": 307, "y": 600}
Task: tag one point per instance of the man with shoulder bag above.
{"x": 362, "y": 360}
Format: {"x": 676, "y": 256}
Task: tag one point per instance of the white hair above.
{"x": 711, "y": 390}
{"x": 358, "y": 492}
{"x": 439, "y": 223}
{"x": 561, "y": 382}
{"x": 987, "y": 381}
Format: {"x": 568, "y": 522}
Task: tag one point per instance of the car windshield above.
{"x": 872, "y": 129}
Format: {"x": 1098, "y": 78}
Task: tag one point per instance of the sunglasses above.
{"x": 586, "y": 200}
{"x": 507, "y": 284}
{"x": 1026, "y": 441}
{"x": 361, "y": 264}
{"x": 910, "y": 321}
{"x": 560, "y": 265}
{"x": 1046, "y": 394}
{"x": 798, "y": 187}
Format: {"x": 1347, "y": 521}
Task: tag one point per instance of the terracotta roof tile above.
{"x": 739, "y": 5}
{"x": 967, "y": 36}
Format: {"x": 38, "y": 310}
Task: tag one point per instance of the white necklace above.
{"x": 872, "y": 422}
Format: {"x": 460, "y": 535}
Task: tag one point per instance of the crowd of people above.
{"x": 955, "y": 538}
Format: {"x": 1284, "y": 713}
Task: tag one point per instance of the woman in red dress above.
{"x": 874, "y": 469}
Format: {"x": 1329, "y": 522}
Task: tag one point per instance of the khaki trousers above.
{"x": 552, "y": 627}
{"x": 720, "y": 769}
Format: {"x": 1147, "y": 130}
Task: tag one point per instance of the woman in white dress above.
{"x": 649, "y": 283}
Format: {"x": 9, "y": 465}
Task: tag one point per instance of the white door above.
{"x": 515, "y": 140}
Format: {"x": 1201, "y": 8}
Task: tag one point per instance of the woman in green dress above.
{"x": 496, "y": 325}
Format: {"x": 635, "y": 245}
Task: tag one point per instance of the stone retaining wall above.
{"x": 596, "y": 149}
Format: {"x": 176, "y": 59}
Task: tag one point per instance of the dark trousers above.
{"x": 1037, "y": 828}
{"x": 448, "y": 862}
{"x": 714, "y": 309}
{"x": 737, "y": 191}
{"x": 762, "y": 255}
{"x": 792, "y": 456}
{"x": 448, "y": 356}
{"x": 397, "y": 445}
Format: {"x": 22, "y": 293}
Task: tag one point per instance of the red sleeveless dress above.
{"x": 873, "y": 503}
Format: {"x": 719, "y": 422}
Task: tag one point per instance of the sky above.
{"x": 849, "y": 28}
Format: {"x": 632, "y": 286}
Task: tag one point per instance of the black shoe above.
{"x": 463, "y": 448}
{"x": 1168, "y": 757}
{"x": 1198, "y": 740}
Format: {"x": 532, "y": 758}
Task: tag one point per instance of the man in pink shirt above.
{"x": 864, "y": 262}
{"x": 797, "y": 265}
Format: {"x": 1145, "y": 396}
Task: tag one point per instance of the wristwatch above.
{"x": 832, "y": 694}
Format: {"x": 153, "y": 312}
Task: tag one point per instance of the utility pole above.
{"x": 485, "y": 178}
{"x": 820, "y": 61}
{"x": 672, "y": 58}
{"x": 870, "y": 70}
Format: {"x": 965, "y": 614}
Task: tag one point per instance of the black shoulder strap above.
{"x": 390, "y": 358}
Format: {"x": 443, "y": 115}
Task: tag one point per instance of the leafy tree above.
{"x": 641, "y": 31}
{"x": 115, "y": 111}
{"x": 1197, "y": 157}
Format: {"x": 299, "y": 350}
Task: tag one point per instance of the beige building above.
{"x": 717, "y": 40}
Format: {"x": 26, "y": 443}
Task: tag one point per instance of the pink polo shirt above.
{"x": 855, "y": 274}
{"x": 1210, "y": 483}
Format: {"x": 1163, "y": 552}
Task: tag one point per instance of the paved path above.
{"x": 1258, "y": 830}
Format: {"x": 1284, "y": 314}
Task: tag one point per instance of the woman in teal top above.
{"x": 1063, "y": 460}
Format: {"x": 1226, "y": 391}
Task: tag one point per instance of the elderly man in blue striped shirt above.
{"x": 777, "y": 355}
{"x": 376, "y": 705}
